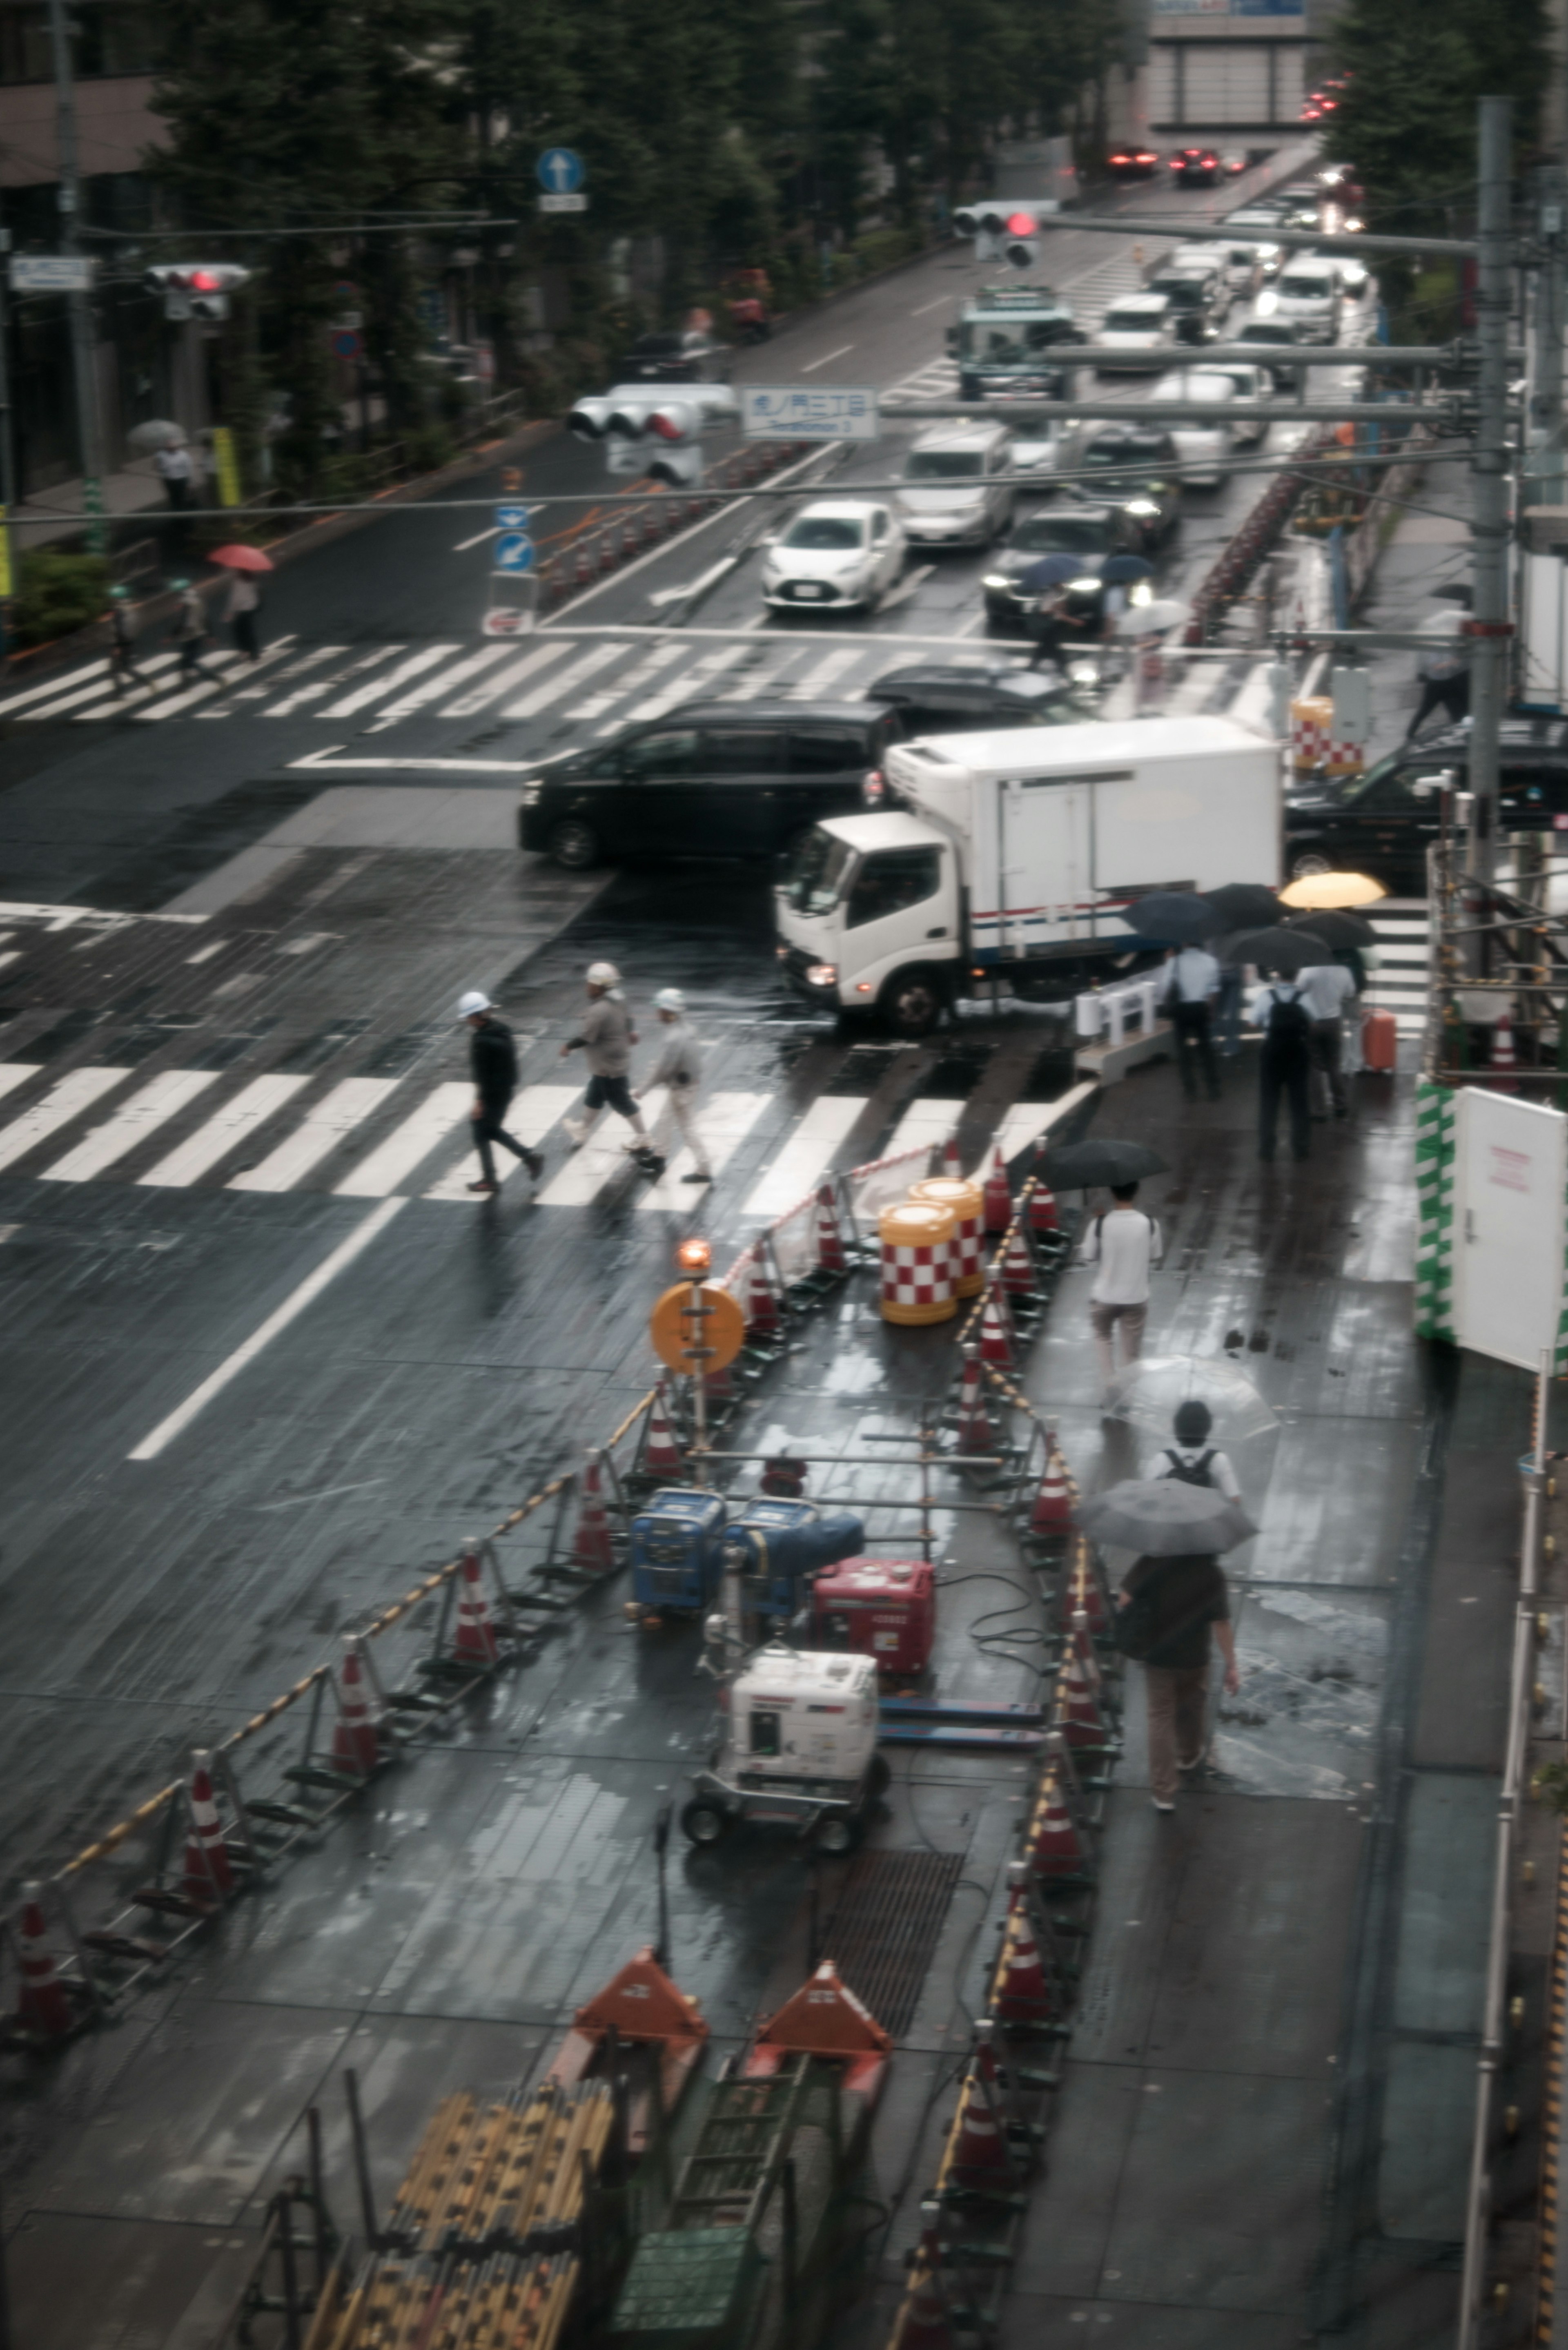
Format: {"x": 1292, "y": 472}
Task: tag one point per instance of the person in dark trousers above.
{"x": 1177, "y": 1599}
{"x": 492, "y": 1057}
{"x": 1445, "y": 679}
{"x": 1284, "y": 1066}
{"x": 191, "y": 632}
{"x": 1192, "y": 983}
{"x": 122, "y": 666}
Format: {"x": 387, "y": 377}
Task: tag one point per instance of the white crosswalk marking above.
{"x": 322, "y": 1128}
{"x": 434, "y": 688}
{"x": 630, "y": 681}
{"x": 415, "y": 666}
{"x": 228, "y": 1127}
{"x": 297, "y": 668}
{"x": 602, "y": 1159}
{"x": 813, "y": 685}
{"x": 923, "y": 1122}
{"x": 100, "y": 687}
{"x": 273, "y": 653}
{"x": 692, "y": 686}
{"x": 724, "y": 1123}
{"x": 62, "y": 1102}
{"x": 804, "y": 1156}
{"x": 409, "y": 1145}
{"x": 532, "y": 1112}
{"x": 322, "y": 686}
{"x": 529, "y": 666}
{"x": 150, "y": 1107}
{"x": 169, "y": 704}
{"x": 15, "y": 1073}
{"x": 13, "y": 701}
{"x": 582, "y": 669}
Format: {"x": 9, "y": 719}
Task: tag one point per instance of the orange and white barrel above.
{"x": 967, "y": 1201}
{"x": 917, "y": 1262}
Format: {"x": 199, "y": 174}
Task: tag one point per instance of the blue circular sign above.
{"x": 560, "y": 171}
{"x": 513, "y": 551}
{"x": 345, "y": 344}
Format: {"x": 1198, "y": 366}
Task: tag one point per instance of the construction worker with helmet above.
{"x": 679, "y": 1068}
{"x": 492, "y": 1057}
{"x": 606, "y": 1036}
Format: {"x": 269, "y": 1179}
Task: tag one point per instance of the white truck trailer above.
{"x": 1021, "y": 857}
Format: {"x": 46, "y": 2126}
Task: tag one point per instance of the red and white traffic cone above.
{"x": 42, "y": 2004}
{"x": 1022, "y": 1988}
{"x": 951, "y": 1163}
{"x": 922, "y": 2322}
{"x": 474, "y": 1642}
{"x": 980, "y": 2143}
{"x": 209, "y": 1875}
{"x": 1079, "y": 1714}
{"x": 356, "y": 1745}
{"x": 995, "y": 1343}
{"x": 998, "y": 1197}
{"x": 764, "y": 1320}
{"x": 830, "y": 1256}
{"x": 1504, "y": 1061}
{"x": 1044, "y": 1214}
{"x": 1055, "y": 1848}
{"x": 1053, "y": 1510}
{"x": 1018, "y": 1269}
{"x": 591, "y": 1546}
{"x": 660, "y": 1453}
{"x": 975, "y": 1432}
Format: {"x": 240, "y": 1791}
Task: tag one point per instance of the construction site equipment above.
{"x": 916, "y": 1243}
{"x": 799, "y": 1748}
{"x": 641, "y": 2010}
{"x": 880, "y": 1607}
{"x": 777, "y": 1545}
{"x": 966, "y": 1202}
{"x": 676, "y": 1545}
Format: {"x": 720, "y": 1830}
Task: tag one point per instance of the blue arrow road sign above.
{"x": 560, "y": 171}
{"x": 513, "y": 551}
{"x": 510, "y": 517}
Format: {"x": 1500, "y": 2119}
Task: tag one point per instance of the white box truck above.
{"x": 1020, "y": 856}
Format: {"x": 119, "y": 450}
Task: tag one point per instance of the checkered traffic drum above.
{"x": 917, "y": 1262}
{"x": 967, "y": 1203}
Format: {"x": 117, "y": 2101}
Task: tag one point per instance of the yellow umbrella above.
{"x": 1319, "y": 891}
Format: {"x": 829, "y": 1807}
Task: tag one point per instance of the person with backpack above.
{"x": 1164, "y": 1610}
{"x": 1284, "y": 1066}
{"x": 1187, "y": 1461}
{"x": 1124, "y": 1245}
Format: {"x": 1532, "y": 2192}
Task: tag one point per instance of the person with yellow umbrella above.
{"x": 1351, "y": 942}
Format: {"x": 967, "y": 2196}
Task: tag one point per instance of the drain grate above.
{"x": 884, "y": 1928}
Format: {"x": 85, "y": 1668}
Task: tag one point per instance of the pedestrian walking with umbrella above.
{"x": 1172, "y": 1594}
{"x": 190, "y": 631}
{"x": 242, "y": 602}
{"x": 1280, "y": 1010}
{"x": 1236, "y": 905}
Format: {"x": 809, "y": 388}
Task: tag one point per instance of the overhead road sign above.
{"x": 560, "y": 171}
{"x": 510, "y": 517}
{"x": 804, "y": 411}
{"x": 513, "y": 551}
{"x": 572, "y": 203}
{"x": 51, "y": 273}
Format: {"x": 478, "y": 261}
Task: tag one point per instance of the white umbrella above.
{"x": 158, "y": 434}
{"x": 1153, "y": 619}
{"x": 1150, "y": 1391}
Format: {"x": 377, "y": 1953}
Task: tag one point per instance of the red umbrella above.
{"x": 240, "y": 558}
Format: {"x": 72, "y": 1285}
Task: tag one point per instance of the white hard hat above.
{"x": 669, "y": 999}
{"x": 603, "y": 975}
{"x": 472, "y": 1003}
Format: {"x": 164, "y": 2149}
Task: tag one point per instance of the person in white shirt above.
{"x": 1191, "y": 985}
{"x": 1325, "y": 990}
{"x": 1125, "y": 1243}
{"x": 1189, "y": 1459}
{"x": 680, "y": 1067}
{"x": 174, "y": 468}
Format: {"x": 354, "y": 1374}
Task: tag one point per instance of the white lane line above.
{"x": 13, "y": 1073}
{"x": 321, "y": 1130}
{"x": 905, "y": 589}
{"x": 303, "y": 693}
{"x": 927, "y": 306}
{"x": 308, "y": 1291}
{"x": 600, "y": 1160}
{"x": 724, "y": 1123}
{"x": 409, "y": 1145}
{"x": 532, "y": 1113}
{"x": 690, "y": 688}
{"x": 415, "y": 666}
{"x": 421, "y": 766}
{"x": 147, "y": 1110}
{"x": 225, "y": 1131}
{"x": 171, "y": 703}
{"x": 827, "y": 360}
{"x": 704, "y": 580}
{"x": 924, "y": 1121}
{"x": 541, "y": 656}
{"x": 797, "y": 1165}
{"x": 96, "y": 691}
{"x": 39, "y": 692}
{"x": 434, "y": 688}
{"x": 56, "y": 1109}
{"x": 1026, "y": 1121}
{"x": 478, "y": 540}
{"x": 581, "y": 670}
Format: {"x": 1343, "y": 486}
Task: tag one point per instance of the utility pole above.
{"x": 83, "y": 341}
{"x": 1488, "y": 623}
{"x": 1544, "y": 469}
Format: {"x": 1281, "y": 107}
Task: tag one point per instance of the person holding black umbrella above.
{"x": 1281, "y": 1011}
{"x": 1191, "y": 985}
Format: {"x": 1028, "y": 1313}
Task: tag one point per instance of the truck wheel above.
{"x": 912, "y": 1002}
{"x": 839, "y": 1834}
{"x": 704, "y": 1822}
{"x": 574, "y": 844}
{"x": 879, "y": 1775}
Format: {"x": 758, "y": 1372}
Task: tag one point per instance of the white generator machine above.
{"x": 799, "y": 1747}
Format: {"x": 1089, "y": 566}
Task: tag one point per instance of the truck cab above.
{"x": 1008, "y": 344}
{"x": 882, "y": 894}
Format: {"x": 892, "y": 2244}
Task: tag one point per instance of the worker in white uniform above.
{"x": 679, "y": 1068}
{"x": 1123, "y": 1244}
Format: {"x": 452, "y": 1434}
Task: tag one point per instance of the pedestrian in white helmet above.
{"x": 492, "y": 1057}
{"x": 606, "y": 1036}
{"x": 679, "y": 1068}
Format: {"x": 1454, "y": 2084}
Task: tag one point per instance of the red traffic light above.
{"x": 670, "y": 423}
{"x": 206, "y": 281}
{"x": 1019, "y": 223}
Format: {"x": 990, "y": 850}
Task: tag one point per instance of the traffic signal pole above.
{"x": 1544, "y": 466}
{"x": 1489, "y": 627}
{"x": 84, "y": 342}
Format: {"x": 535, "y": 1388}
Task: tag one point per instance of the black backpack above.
{"x": 1289, "y": 1031}
{"x": 1193, "y": 1472}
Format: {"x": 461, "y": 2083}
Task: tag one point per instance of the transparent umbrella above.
{"x": 158, "y": 433}
{"x": 1148, "y": 1391}
{"x": 1165, "y": 1520}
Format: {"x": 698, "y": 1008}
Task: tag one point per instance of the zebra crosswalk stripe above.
{"x": 150, "y": 1107}
{"x": 235, "y": 1123}
{"x": 322, "y": 1128}
{"x": 75, "y": 1093}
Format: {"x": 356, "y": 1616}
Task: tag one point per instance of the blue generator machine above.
{"x": 677, "y": 1546}
{"x": 783, "y": 1544}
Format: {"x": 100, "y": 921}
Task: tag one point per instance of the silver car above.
{"x": 955, "y": 491}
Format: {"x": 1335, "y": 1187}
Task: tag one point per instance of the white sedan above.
{"x": 838, "y": 555}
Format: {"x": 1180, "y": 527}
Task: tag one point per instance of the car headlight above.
{"x": 996, "y": 579}
{"x": 822, "y": 974}
{"x": 1142, "y": 507}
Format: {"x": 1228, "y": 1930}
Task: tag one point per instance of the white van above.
{"x": 955, "y": 491}
{"x": 1308, "y": 294}
{"x": 1202, "y": 448}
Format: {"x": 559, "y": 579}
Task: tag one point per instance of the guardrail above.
{"x": 1521, "y": 1682}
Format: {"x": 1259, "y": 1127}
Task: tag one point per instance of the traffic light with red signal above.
{"x": 1003, "y": 231}
{"x": 659, "y": 438}
{"x": 195, "y": 289}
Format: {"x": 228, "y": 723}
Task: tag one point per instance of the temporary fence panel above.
{"x": 881, "y": 1182}
{"x": 1511, "y": 1172}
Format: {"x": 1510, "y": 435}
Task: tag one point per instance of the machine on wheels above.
{"x": 799, "y": 1748}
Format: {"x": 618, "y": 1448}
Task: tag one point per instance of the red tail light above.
{"x": 873, "y": 786}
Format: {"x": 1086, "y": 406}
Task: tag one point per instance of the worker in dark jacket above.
{"x": 492, "y": 1057}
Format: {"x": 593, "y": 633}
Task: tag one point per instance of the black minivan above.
{"x": 712, "y": 779}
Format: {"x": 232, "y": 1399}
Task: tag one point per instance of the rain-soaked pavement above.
{"x": 1262, "y": 2131}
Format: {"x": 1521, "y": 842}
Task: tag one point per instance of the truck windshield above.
{"x": 816, "y": 872}
{"x": 943, "y": 465}
{"x": 1009, "y": 345}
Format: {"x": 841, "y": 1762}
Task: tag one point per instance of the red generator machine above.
{"x": 882, "y": 1608}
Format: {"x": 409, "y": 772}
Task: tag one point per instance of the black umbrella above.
{"x": 1081, "y": 1166}
{"x": 1277, "y": 948}
{"x": 1242, "y": 903}
{"x": 1119, "y": 569}
{"x": 1337, "y": 929}
{"x": 1176, "y": 916}
{"x": 1164, "y": 1518}
{"x": 1050, "y": 571}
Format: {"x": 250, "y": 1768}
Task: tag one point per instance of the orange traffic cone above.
{"x": 1023, "y": 1993}
{"x": 1018, "y": 1269}
{"x": 209, "y": 1875}
{"x": 355, "y": 1747}
{"x": 660, "y": 1453}
{"x": 1079, "y": 1714}
{"x": 1053, "y": 1510}
{"x": 764, "y": 1320}
{"x": 830, "y": 1256}
{"x": 975, "y": 1433}
{"x": 43, "y": 2005}
{"x": 474, "y": 1642}
{"x": 1504, "y": 1059}
{"x": 998, "y": 1197}
{"x": 1055, "y": 1850}
{"x": 979, "y": 2145}
{"x": 591, "y": 1546}
{"x": 922, "y": 2322}
{"x": 1044, "y": 1214}
{"x": 995, "y": 1343}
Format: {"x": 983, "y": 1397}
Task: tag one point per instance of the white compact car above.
{"x": 1308, "y": 297}
{"x": 838, "y": 555}
{"x": 955, "y": 490}
{"x": 1253, "y": 388}
{"x": 1138, "y": 331}
{"x": 1202, "y": 448}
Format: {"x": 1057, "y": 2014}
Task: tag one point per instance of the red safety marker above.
{"x": 475, "y": 1642}
{"x": 995, "y": 1343}
{"x": 356, "y": 1746}
{"x": 1022, "y": 1988}
{"x": 763, "y": 1320}
{"x": 1044, "y": 1214}
{"x": 1053, "y": 1510}
{"x": 1078, "y": 1711}
{"x": 660, "y": 1455}
{"x": 951, "y": 1163}
{"x": 591, "y": 1546}
{"x": 998, "y": 1198}
{"x": 43, "y": 2005}
{"x": 979, "y": 2147}
{"x": 830, "y": 1256}
{"x": 1018, "y": 1268}
{"x": 209, "y": 1875}
{"x": 1055, "y": 1848}
{"x": 923, "y": 2320}
{"x": 975, "y": 1433}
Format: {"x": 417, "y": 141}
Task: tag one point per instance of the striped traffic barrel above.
{"x": 967, "y": 1201}
{"x": 917, "y": 1262}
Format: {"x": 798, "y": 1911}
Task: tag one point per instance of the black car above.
{"x": 1383, "y": 822}
{"x": 1195, "y": 167}
{"x": 687, "y": 357}
{"x": 1092, "y": 532}
{"x": 944, "y": 698}
{"x": 713, "y": 779}
{"x": 1198, "y": 302}
{"x": 1277, "y": 335}
{"x": 1140, "y": 465}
